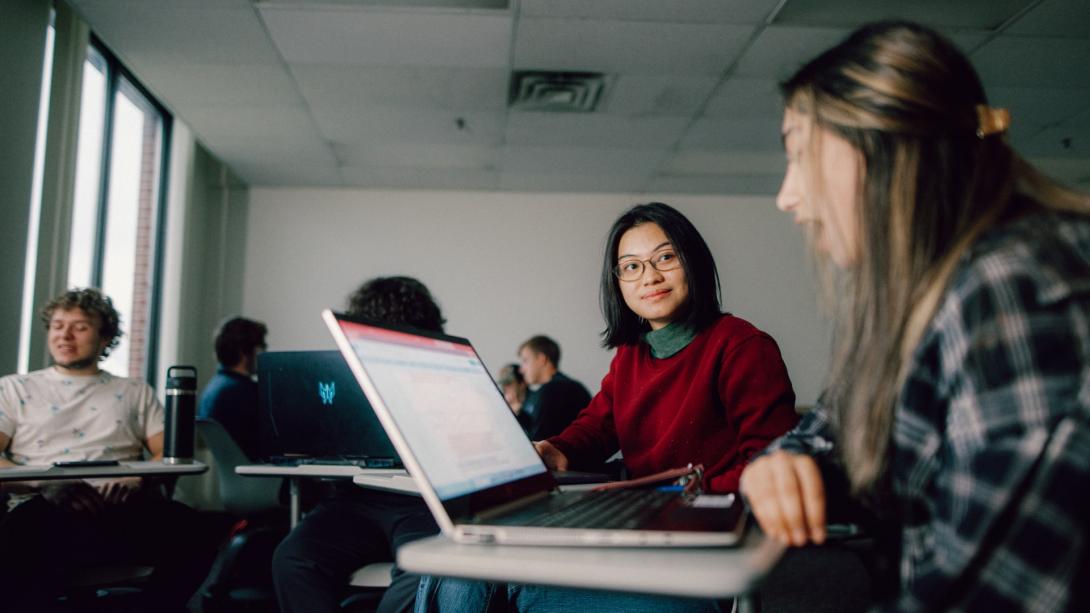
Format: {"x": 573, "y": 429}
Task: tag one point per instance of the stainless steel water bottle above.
{"x": 181, "y": 412}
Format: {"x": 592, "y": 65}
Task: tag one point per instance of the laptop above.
{"x": 313, "y": 412}
{"x": 479, "y": 474}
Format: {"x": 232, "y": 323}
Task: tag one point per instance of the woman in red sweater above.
{"x": 688, "y": 384}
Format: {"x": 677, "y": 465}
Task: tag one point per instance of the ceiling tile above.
{"x": 420, "y": 87}
{"x": 408, "y": 125}
{"x": 1055, "y": 18}
{"x": 1069, "y": 171}
{"x": 1023, "y": 61}
{"x": 286, "y": 174}
{"x": 1069, "y": 139}
{"x": 693, "y": 11}
{"x": 163, "y": 5}
{"x": 420, "y": 178}
{"x": 1033, "y": 108}
{"x": 757, "y": 185}
{"x": 593, "y": 130}
{"x": 740, "y": 97}
{"x": 723, "y": 163}
{"x": 579, "y": 160}
{"x": 404, "y": 4}
{"x": 756, "y": 134}
{"x": 240, "y": 133}
{"x": 657, "y": 94}
{"x": 627, "y": 47}
{"x": 971, "y": 14}
{"x": 425, "y": 156}
{"x": 172, "y": 33}
{"x": 186, "y": 85}
{"x": 781, "y": 50}
{"x": 329, "y": 35}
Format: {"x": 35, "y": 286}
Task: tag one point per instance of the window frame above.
{"x": 117, "y": 77}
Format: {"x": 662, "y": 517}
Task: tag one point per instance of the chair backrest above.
{"x": 239, "y": 495}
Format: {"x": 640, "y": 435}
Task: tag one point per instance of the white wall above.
{"x": 505, "y": 266}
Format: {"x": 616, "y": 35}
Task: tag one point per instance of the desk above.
{"x": 397, "y": 481}
{"x": 310, "y": 471}
{"x": 123, "y": 469}
{"x": 688, "y": 572}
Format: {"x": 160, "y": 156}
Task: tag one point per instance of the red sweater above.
{"x": 716, "y": 402}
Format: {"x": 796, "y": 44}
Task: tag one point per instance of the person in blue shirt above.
{"x": 230, "y": 397}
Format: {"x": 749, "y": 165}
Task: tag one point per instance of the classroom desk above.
{"x": 123, "y": 469}
{"x": 714, "y": 573}
{"x": 396, "y": 481}
{"x": 309, "y": 471}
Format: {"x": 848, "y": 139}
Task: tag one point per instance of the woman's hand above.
{"x": 552, "y": 456}
{"x": 787, "y": 495}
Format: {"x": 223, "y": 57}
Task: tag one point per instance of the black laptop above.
{"x": 313, "y": 412}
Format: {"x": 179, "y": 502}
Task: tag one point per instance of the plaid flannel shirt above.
{"x": 990, "y": 461}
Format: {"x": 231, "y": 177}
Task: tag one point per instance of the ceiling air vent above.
{"x": 556, "y": 92}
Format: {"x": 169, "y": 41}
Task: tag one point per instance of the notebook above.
{"x": 479, "y": 474}
{"x": 313, "y": 412}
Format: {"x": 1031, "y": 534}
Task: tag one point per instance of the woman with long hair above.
{"x": 959, "y": 392}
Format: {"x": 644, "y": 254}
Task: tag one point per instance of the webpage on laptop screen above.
{"x": 447, "y": 408}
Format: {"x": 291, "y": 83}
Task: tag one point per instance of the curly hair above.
{"x": 94, "y": 303}
{"x": 397, "y": 300}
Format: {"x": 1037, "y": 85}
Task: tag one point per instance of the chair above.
{"x": 240, "y": 579}
{"x": 240, "y": 496}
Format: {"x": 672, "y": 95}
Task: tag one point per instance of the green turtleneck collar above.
{"x": 667, "y": 341}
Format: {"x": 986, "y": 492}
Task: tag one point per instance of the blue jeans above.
{"x": 444, "y": 595}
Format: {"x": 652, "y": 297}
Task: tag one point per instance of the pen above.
{"x": 841, "y": 531}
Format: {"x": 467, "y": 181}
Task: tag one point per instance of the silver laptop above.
{"x": 480, "y": 476}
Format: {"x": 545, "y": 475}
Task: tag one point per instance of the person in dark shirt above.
{"x": 352, "y": 527}
{"x": 231, "y": 395}
{"x": 557, "y": 399}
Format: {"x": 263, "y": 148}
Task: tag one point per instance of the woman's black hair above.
{"x": 622, "y": 325}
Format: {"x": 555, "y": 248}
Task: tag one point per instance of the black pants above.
{"x": 312, "y": 565}
{"x": 40, "y": 544}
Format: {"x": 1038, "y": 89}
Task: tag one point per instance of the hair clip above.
{"x": 991, "y": 120}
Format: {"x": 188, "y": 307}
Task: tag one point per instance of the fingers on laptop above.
{"x": 787, "y": 496}
{"x": 553, "y": 457}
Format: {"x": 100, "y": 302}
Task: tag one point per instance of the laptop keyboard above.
{"x": 616, "y": 509}
{"x": 337, "y": 460}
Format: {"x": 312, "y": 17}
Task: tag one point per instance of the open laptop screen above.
{"x": 447, "y": 407}
{"x": 311, "y": 405}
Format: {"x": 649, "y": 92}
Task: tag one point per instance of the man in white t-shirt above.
{"x": 75, "y": 411}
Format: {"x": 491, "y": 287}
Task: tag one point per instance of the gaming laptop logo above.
{"x": 327, "y": 391}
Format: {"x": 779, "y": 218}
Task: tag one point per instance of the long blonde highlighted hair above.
{"x": 908, "y": 100}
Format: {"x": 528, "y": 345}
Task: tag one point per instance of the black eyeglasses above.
{"x": 632, "y": 270}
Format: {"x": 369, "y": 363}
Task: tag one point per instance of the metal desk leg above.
{"x": 293, "y": 487}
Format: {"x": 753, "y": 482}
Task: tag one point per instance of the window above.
{"x": 27, "y": 316}
{"x": 117, "y": 203}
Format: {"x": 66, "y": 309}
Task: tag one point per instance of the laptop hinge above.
{"x": 505, "y": 508}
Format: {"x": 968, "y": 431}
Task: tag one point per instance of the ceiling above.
{"x": 412, "y": 94}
